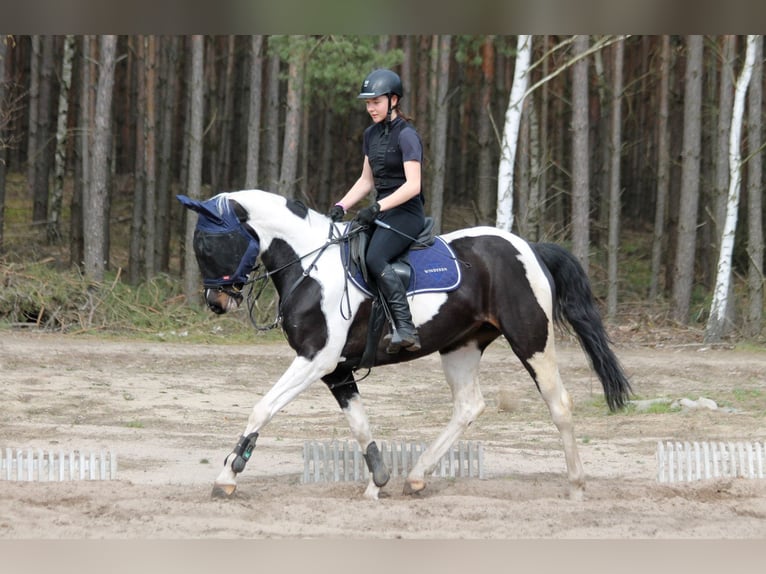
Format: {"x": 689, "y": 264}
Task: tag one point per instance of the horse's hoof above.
{"x": 414, "y": 486}
{"x": 223, "y": 490}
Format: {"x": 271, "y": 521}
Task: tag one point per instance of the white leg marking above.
{"x": 560, "y": 406}
{"x": 297, "y": 378}
{"x": 358, "y": 422}
{"x": 461, "y": 369}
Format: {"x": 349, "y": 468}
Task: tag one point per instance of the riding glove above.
{"x": 367, "y": 215}
{"x": 336, "y": 212}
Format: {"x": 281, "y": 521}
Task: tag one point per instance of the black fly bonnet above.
{"x": 226, "y": 251}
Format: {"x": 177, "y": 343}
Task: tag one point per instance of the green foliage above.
{"x": 336, "y": 65}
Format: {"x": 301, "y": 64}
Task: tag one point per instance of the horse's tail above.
{"x": 574, "y": 302}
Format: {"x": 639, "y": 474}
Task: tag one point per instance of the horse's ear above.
{"x": 298, "y": 208}
{"x": 199, "y": 207}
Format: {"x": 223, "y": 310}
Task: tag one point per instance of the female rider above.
{"x": 393, "y": 155}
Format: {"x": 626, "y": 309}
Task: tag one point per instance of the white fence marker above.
{"x": 37, "y": 465}
{"x": 325, "y": 462}
{"x": 686, "y": 462}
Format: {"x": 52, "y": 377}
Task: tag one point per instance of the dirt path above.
{"x": 172, "y": 411}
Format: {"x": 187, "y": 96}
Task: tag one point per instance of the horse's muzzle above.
{"x": 220, "y": 301}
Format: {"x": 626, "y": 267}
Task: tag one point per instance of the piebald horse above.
{"x": 507, "y": 287}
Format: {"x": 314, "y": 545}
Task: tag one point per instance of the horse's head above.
{"x": 226, "y": 249}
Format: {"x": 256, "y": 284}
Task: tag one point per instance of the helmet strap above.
{"x": 388, "y": 113}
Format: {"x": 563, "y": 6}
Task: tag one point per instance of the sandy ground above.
{"x": 172, "y": 411}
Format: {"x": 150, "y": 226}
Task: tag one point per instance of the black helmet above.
{"x": 380, "y": 83}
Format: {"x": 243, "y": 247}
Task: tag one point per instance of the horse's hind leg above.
{"x": 346, "y": 392}
{"x": 544, "y": 369}
{"x": 461, "y": 369}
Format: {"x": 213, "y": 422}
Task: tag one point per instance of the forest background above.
{"x": 622, "y": 155}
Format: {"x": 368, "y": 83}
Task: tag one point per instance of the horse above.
{"x": 508, "y": 287}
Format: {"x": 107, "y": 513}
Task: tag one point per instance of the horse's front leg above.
{"x": 301, "y": 374}
{"x": 343, "y": 387}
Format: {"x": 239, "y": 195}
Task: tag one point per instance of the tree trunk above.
{"x": 716, "y": 326}
{"x": 226, "y": 123}
{"x": 81, "y": 192}
{"x": 150, "y": 151}
{"x": 136, "y": 262}
{"x": 4, "y": 120}
{"x": 191, "y": 269}
{"x": 96, "y": 198}
{"x": 43, "y": 158}
{"x": 486, "y": 198}
{"x": 295, "y": 81}
{"x": 726, "y": 96}
{"x": 663, "y": 168}
{"x": 34, "y": 106}
{"x": 504, "y": 217}
{"x": 165, "y": 174}
{"x": 272, "y": 123}
{"x": 254, "y": 115}
{"x": 614, "y": 180}
{"x": 755, "y": 195}
{"x": 54, "y": 222}
{"x": 439, "y": 143}
{"x": 580, "y": 154}
{"x": 690, "y": 179}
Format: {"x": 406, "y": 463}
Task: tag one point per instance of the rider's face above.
{"x": 378, "y": 107}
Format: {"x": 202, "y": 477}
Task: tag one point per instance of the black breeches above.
{"x": 386, "y": 244}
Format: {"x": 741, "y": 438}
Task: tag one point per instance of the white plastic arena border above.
{"x": 37, "y": 465}
{"x": 333, "y": 461}
{"x": 687, "y": 462}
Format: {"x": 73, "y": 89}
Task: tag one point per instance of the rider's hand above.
{"x": 336, "y": 212}
{"x": 367, "y": 215}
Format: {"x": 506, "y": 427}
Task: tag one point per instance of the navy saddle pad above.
{"x": 434, "y": 269}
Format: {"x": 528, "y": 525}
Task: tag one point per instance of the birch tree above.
{"x": 54, "y": 221}
{"x": 504, "y": 217}
{"x": 96, "y": 200}
{"x": 716, "y": 321}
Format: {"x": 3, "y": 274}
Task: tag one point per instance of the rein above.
{"x": 262, "y": 278}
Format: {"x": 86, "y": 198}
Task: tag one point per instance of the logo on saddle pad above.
{"x": 432, "y": 269}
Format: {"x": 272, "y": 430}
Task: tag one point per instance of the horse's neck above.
{"x": 272, "y": 220}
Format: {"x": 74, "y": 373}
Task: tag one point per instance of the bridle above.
{"x": 259, "y": 277}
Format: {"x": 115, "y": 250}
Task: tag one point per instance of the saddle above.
{"x": 428, "y": 266}
{"x": 358, "y": 248}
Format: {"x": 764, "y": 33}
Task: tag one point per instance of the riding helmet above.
{"x": 380, "y": 83}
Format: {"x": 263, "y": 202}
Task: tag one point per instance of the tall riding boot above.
{"x": 391, "y": 288}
